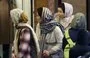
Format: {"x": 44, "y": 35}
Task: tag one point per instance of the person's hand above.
{"x": 46, "y": 53}
{"x": 57, "y": 14}
{"x": 13, "y": 55}
{"x": 60, "y": 15}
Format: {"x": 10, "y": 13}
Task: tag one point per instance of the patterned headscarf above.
{"x": 79, "y": 21}
{"x": 46, "y": 15}
{"x": 47, "y": 23}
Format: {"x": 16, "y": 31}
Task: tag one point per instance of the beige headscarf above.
{"x": 18, "y": 15}
{"x": 68, "y": 15}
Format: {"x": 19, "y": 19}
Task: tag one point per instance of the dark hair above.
{"x": 39, "y": 10}
{"x": 62, "y": 6}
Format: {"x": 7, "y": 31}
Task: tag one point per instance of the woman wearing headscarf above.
{"x": 64, "y": 15}
{"x": 78, "y": 35}
{"x": 25, "y": 44}
{"x": 50, "y": 35}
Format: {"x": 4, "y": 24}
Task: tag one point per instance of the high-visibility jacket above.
{"x": 69, "y": 45}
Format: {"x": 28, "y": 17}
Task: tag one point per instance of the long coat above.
{"x": 16, "y": 39}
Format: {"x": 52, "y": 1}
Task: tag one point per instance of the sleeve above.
{"x": 59, "y": 36}
{"x": 38, "y": 31}
{"x": 14, "y": 45}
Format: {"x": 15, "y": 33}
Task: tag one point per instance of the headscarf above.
{"x": 68, "y": 9}
{"x": 18, "y": 15}
{"x": 79, "y": 21}
{"x": 15, "y": 15}
{"x": 47, "y": 23}
{"x": 68, "y": 15}
{"x": 46, "y": 15}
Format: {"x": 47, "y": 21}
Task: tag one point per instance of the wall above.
{"x": 5, "y": 25}
{"x": 51, "y": 5}
{"x": 5, "y": 22}
{"x": 37, "y": 4}
{"x": 79, "y": 5}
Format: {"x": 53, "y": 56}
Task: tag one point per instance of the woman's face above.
{"x": 60, "y": 13}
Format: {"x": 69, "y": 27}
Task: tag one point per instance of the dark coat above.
{"x": 81, "y": 38}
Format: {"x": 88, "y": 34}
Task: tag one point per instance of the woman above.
{"x": 25, "y": 43}
{"x": 79, "y": 24}
{"x": 64, "y": 15}
{"x": 50, "y": 35}
{"x": 59, "y": 15}
{"x": 78, "y": 35}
